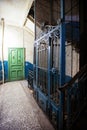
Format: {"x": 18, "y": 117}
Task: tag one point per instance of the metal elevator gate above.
{"x": 62, "y": 104}
{"x": 58, "y": 83}
{"x": 46, "y": 73}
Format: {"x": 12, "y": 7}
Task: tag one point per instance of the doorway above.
{"x": 16, "y": 63}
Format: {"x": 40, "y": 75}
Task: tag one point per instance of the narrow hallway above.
{"x": 19, "y": 110}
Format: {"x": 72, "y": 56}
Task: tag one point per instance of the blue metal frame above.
{"x": 62, "y": 62}
{"x": 42, "y": 100}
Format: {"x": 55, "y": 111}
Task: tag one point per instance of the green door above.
{"x": 16, "y": 63}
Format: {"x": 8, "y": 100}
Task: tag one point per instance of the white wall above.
{"x": 19, "y": 38}
{"x": 72, "y": 60}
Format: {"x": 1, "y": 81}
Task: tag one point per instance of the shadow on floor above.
{"x": 81, "y": 123}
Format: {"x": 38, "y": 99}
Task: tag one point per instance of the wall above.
{"x": 72, "y": 60}
{"x": 19, "y": 38}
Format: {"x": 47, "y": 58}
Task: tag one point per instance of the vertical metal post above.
{"x": 34, "y": 47}
{"x": 49, "y": 68}
{"x": 36, "y": 65}
{"x": 35, "y": 18}
{"x": 2, "y": 50}
{"x": 62, "y": 62}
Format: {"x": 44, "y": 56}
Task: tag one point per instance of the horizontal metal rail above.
{"x": 78, "y": 75}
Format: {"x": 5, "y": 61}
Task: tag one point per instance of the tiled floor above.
{"x": 19, "y": 110}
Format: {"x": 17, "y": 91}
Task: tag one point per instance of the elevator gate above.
{"x": 63, "y": 103}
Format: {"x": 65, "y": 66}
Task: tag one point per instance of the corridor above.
{"x": 19, "y": 110}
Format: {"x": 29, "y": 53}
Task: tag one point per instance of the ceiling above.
{"x": 15, "y": 12}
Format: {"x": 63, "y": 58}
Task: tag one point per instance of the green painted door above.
{"x": 16, "y": 63}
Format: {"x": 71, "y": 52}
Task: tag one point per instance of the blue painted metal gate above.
{"x": 59, "y": 99}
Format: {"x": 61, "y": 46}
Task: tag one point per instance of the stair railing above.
{"x": 75, "y": 97}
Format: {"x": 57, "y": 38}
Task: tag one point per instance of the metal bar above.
{"x": 35, "y": 18}
{"x": 43, "y": 68}
{"x": 2, "y": 49}
{"x": 62, "y": 46}
{"x": 36, "y": 65}
{"x": 49, "y": 67}
{"x": 62, "y": 63}
{"x": 34, "y": 53}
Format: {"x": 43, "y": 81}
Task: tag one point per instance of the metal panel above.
{"x": 46, "y": 71}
